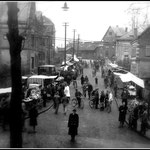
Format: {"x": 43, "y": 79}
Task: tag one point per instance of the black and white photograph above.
{"x": 75, "y": 74}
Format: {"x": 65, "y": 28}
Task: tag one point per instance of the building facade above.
{"x": 109, "y": 41}
{"x": 140, "y": 56}
{"x": 38, "y": 46}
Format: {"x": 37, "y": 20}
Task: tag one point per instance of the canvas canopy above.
{"x": 39, "y": 79}
{"x": 130, "y": 77}
{"x": 5, "y": 90}
{"x": 42, "y": 77}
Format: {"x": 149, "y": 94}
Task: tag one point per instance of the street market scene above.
{"x": 84, "y": 94}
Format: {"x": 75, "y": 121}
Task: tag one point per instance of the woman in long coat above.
{"x": 33, "y": 113}
{"x": 122, "y": 114}
{"x": 73, "y": 124}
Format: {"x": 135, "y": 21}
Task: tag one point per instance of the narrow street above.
{"x": 96, "y": 129}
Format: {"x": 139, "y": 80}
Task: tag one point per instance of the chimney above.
{"x": 126, "y": 29}
{"x": 135, "y": 32}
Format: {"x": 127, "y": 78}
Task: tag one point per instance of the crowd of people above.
{"x": 59, "y": 93}
{"x": 132, "y": 108}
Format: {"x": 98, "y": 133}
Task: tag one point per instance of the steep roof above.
{"x": 148, "y": 27}
{"x": 49, "y": 25}
{"x": 47, "y": 21}
{"x": 89, "y": 45}
{"x": 23, "y": 14}
{"x": 118, "y": 31}
{"x": 128, "y": 36}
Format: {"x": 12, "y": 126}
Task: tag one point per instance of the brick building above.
{"x": 109, "y": 41}
{"x": 140, "y": 57}
{"x": 39, "y": 33}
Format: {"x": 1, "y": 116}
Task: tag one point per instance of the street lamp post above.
{"x": 78, "y": 45}
{"x": 65, "y": 43}
{"x": 73, "y": 44}
{"x": 65, "y": 8}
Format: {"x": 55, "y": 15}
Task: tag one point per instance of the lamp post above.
{"x": 73, "y": 44}
{"x": 78, "y": 45}
{"x": 65, "y": 8}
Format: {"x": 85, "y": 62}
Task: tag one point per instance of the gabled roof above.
{"x": 23, "y": 14}
{"x": 118, "y": 31}
{"x": 143, "y": 31}
{"x": 47, "y": 21}
{"x": 128, "y": 36}
{"x": 49, "y": 25}
{"x": 89, "y": 45}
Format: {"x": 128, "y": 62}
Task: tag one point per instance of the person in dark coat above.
{"x": 144, "y": 121}
{"x": 84, "y": 89}
{"x": 33, "y": 113}
{"x": 82, "y": 80}
{"x": 96, "y": 81}
{"x": 124, "y": 96}
{"x": 96, "y": 95}
{"x": 102, "y": 100}
{"x": 106, "y": 98}
{"x": 135, "y": 117}
{"x": 78, "y": 95}
{"x": 122, "y": 114}
{"x": 73, "y": 124}
{"x": 86, "y": 79}
{"x": 24, "y": 113}
{"x": 44, "y": 96}
{"x": 57, "y": 101}
{"x": 90, "y": 89}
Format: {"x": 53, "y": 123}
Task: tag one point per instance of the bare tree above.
{"x": 139, "y": 15}
{"x": 15, "y": 42}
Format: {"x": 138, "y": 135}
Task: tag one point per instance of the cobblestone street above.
{"x": 96, "y": 129}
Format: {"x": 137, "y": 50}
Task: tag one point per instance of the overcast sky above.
{"x": 91, "y": 19}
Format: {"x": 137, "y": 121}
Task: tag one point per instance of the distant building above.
{"x": 140, "y": 58}
{"x": 86, "y": 50}
{"x": 39, "y": 31}
{"x": 109, "y": 41}
{"x": 124, "y": 48}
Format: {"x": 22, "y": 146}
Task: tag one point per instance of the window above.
{"x": 32, "y": 62}
{"x": 133, "y": 54}
{"x": 147, "y": 50}
{"x": 32, "y": 41}
{"x": 110, "y": 33}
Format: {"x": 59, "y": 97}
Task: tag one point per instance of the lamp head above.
{"x": 65, "y": 8}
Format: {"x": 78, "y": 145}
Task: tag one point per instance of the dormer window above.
{"x": 147, "y": 53}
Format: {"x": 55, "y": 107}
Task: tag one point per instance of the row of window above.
{"x": 37, "y": 41}
{"x": 135, "y": 51}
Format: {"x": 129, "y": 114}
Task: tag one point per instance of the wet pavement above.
{"x": 97, "y": 129}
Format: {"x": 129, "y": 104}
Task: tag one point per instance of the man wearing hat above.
{"x": 73, "y": 124}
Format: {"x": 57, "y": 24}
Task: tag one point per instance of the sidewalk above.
{"x": 5, "y": 135}
{"x": 118, "y": 101}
